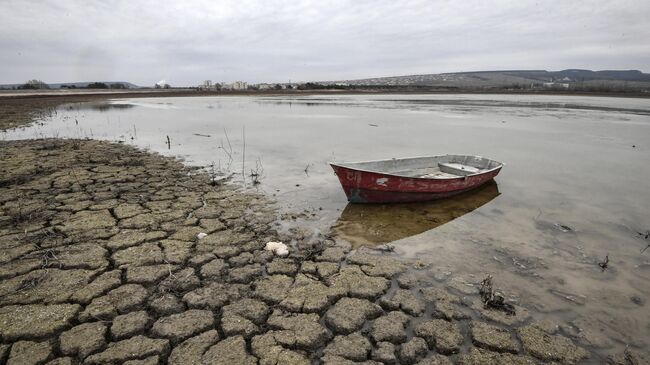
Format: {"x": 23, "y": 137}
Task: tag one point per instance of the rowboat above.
{"x": 414, "y": 179}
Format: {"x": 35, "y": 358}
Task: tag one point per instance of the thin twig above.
{"x": 243, "y": 159}
{"x": 228, "y": 151}
{"x": 257, "y": 174}
{"x": 227, "y": 139}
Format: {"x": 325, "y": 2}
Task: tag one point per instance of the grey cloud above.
{"x": 186, "y": 42}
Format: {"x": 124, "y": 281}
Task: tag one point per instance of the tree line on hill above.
{"x": 33, "y": 85}
{"x": 96, "y": 85}
{"x": 40, "y": 85}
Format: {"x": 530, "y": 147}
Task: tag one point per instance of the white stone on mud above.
{"x": 278, "y": 248}
{"x": 201, "y": 235}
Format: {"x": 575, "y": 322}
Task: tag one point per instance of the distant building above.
{"x": 555, "y": 85}
{"x": 264, "y": 86}
{"x": 239, "y": 85}
{"x": 288, "y": 86}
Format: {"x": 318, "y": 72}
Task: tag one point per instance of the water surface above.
{"x": 574, "y": 189}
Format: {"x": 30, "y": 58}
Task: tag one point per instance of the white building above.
{"x": 555, "y": 85}
{"x": 239, "y": 85}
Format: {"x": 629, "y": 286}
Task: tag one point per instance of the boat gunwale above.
{"x": 501, "y": 164}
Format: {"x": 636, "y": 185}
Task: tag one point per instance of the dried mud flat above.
{"x": 100, "y": 263}
{"x": 18, "y": 112}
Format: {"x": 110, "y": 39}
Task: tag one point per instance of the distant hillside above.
{"x": 567, "y": 79}
{"x": 576, "y": 75}
{"x": 80, "y": 85}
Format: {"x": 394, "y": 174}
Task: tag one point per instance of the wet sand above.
{"x": 99, "y": 241}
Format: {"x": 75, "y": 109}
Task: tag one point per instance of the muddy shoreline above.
{"x": 19, "y": 108}
{"x": 100, "y": 243}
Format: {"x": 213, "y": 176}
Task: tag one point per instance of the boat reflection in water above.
{"x": 374, "y": 224}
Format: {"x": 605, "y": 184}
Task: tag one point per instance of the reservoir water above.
{"x": 575, "y": 188}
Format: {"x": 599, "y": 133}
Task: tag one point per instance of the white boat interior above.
{"x": 431, "y": 167}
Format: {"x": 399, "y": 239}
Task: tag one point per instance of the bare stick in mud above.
{"x": 256, "y": 174}
{"x": 227, "y": 140}
{"x": 227, "y": 151}
{"x": 213, "y": 175}
{"x": 243, "y": 158}
{"x": 169, "y": 143}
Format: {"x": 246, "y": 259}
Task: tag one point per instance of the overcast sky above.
{"x": 186, "y": 42}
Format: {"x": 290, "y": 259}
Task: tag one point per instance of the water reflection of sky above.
{"x": 372, "y": 224}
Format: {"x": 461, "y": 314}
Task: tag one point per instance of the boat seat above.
{"x": 438, "y": 175}
{"x": 457, "y": 168}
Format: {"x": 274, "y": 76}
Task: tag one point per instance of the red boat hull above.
{"x": 373, "y": 187}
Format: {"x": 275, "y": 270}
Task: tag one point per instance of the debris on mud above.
{"x": 384, "y": 248}
{"x": 278, "y": 248}
{"x": 645, "y": 235}
{"x": 563, "y": 228}
{"x": 604, "y": 264}
{"x": 492, "y": 299}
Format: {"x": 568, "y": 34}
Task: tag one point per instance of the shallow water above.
{"x": 574, "y": 189}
